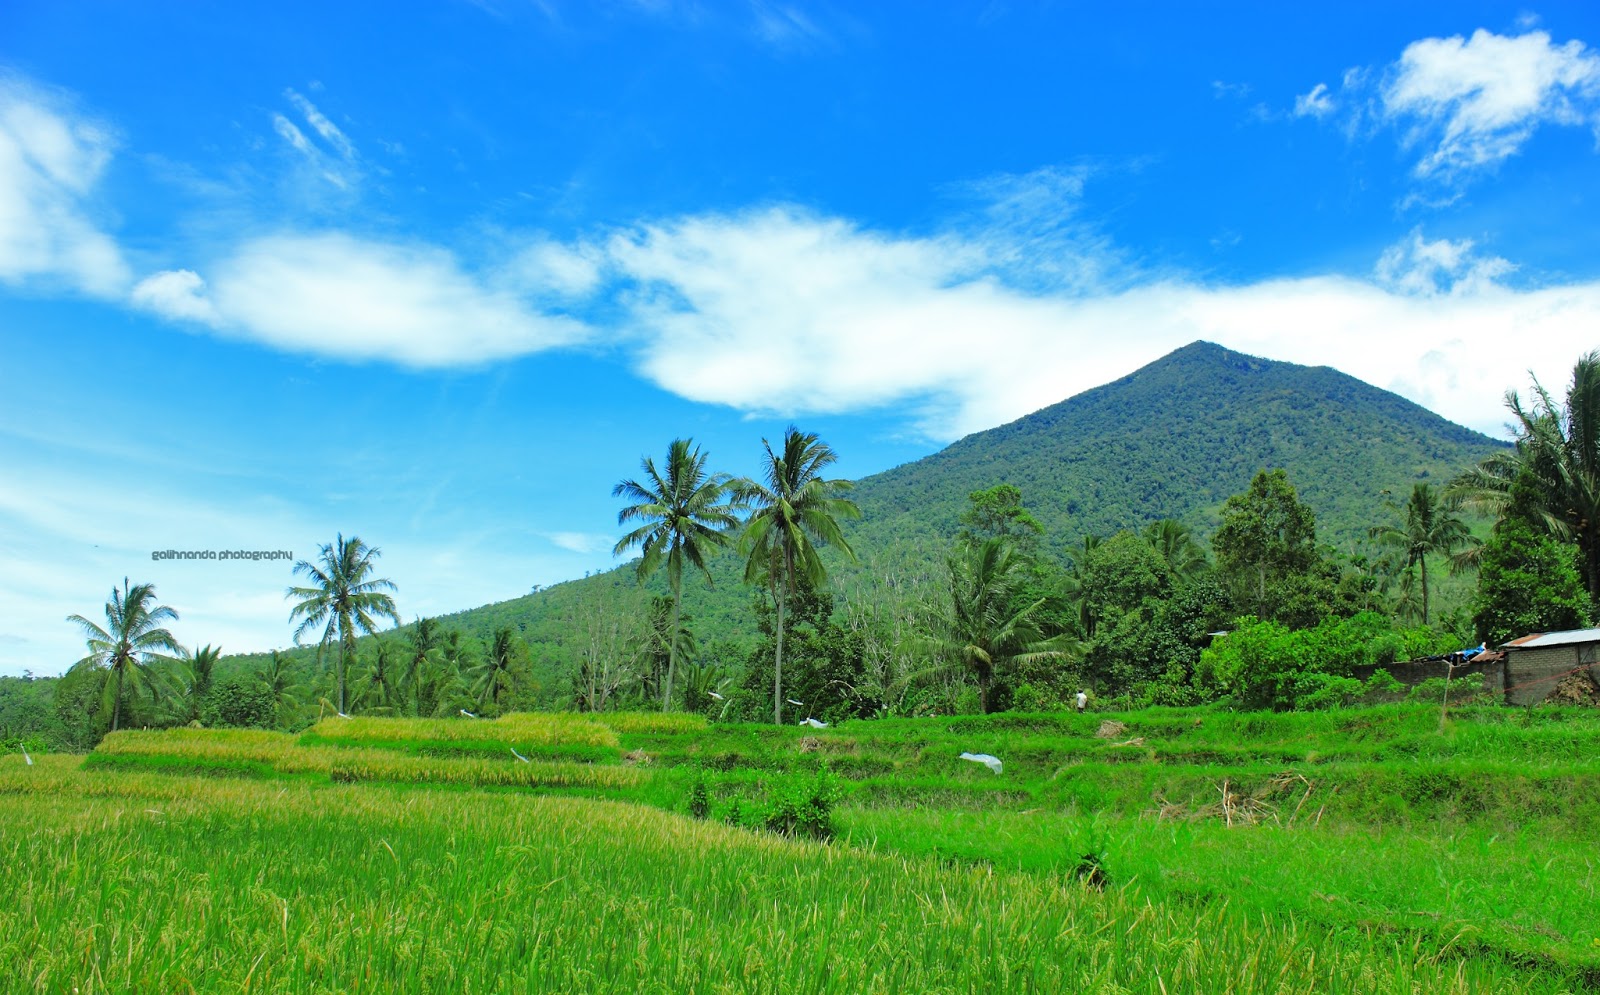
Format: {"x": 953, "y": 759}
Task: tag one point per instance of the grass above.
{"x": 1365, "y": 850}
{"x": 302, "y": 887}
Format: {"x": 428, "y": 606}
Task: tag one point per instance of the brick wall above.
{"x": 1415, "y": 672}
{"x": 1533, "y": 672}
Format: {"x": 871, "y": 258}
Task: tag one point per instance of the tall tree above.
{"x": 795, "y": 511}
{"x": 998, "y": 511}
{"x": 1429, "y": 527}
{"x": 194, "y": 681}
{"x": 1266, "y": 535}
{"x": 1527, "y": 582}
{"x": 130, "y": 645}
{"x": 493, "y": 677}
{"x": 1175, "y": 544}
{"x": 278, "y": 676}
{"x": 1551, "y": 476}
{"x": 685, "y": 516}
{"x": 378, "y": 683}
{"x": 343, "y": 597}
{"x": 424, "y": 648}
{"x": 984, "y": 630}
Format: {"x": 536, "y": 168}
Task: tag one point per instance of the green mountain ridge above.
{"x": 1173, "y": 439}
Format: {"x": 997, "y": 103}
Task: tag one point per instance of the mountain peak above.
{"x": 1176, "y": 437}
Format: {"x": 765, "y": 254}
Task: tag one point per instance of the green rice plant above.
{"x": 517, "y": 728}
{"x": 651, "y": 723}
{"x": 306, "y": 888}
{"x": 200, "y": 744}
{"x": 482, "y": 773}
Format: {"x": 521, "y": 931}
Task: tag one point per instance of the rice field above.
{"x": 1368, "y": 851}
{"x": 301, "y": 887}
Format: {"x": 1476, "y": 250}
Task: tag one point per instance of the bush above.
{"x": 800, "y": 808}
{"x": 1268, "y": 665}
{"x": 240, "y": 701}
{"x": 699, "y": 798}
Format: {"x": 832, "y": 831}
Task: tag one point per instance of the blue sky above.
{"x": 439, "y": 275}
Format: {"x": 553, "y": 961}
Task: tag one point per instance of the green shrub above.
{"x": 699, "y": 798}
{"x": 802, "y": 808}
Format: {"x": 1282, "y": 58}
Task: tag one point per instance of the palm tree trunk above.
{"x": 1591, "y": 557}
{"x": 342, "y": 709}
{"x": 672, "y": 648}
{"x": 1424, "y": 562}
{"x": 777, "y": 664}
{"x": 116, "y": 702}
{"x": 985, "y": 677}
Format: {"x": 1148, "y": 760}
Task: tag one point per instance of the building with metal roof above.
{"x": 1537, "y": 663}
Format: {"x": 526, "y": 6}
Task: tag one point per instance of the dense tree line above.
{"x": 1006, "y": 615}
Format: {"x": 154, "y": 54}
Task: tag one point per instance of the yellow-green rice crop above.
{"x": 518, "y": 728}
{"x": 297, "y": 887}
{"x": 652, "y": 723}
{"x": 208, "y": 744}
{"x": 374, "y": 766}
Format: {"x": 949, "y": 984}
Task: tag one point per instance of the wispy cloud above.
{"x": 1475, "y": 102}
{"x": 51, "y": 160}
{"x": 580, "y": 542}
{"x": 336, "y": 295}
{"x": 332, "y": 157}
{"x": 1465, "y": 105}
{"x": 785, "y": 25}
{"x": 1415, "y": 265}
{"x": 782, "y": 311}
{"x": 325, "y": 128}
{"x": 1317, "y": 103}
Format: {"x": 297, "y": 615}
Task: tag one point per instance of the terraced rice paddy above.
{"x": 1363, "y": 851}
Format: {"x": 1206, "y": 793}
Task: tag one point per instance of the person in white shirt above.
{"x": 1083, "y": 701}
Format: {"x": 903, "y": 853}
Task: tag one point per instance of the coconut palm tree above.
{"x": 425, "y": 646}
{"x": 1173, "y": 540}
{"x": 193, "y": 678}
{"x": 130, "y": 645}
{"x": 343, "y": 597}
{"x": 1551, "y": 476}
{"x": 279, "y": 679}
{"x": 795, "y": 512}
{"x": 493, "y": 677}
{"x": 984, "y": 631}
{"x": 1429, "y": 527}
{"x": 376, "y": 687}
{"x": 685, "y": 516}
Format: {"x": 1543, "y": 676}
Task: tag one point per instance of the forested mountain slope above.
{"x": 1171, "y": 440}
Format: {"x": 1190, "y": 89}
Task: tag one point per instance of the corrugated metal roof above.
{"x": 1557, "y": 639}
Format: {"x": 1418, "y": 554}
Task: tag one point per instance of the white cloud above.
{"x": 51, "y": 160}
{"x": 1317, "y": 103}
{"x": 782, "y": 311}
{"x": 786, "y": 25}
{"x": 580, "y": 542}
{"x": 347, "y": 298}
{"x": 178, "y": 294}
{"x": 333, "y": 159}
{"x": 550, "y": 268}
{"x": 1476, "y": 101}
{"x": 319, "y": 122}
{"x": 1415, "y": 265}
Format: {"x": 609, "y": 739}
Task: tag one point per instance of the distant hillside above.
{"x": 1172, "y": 440}
{"x": 1176, "y": 439}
